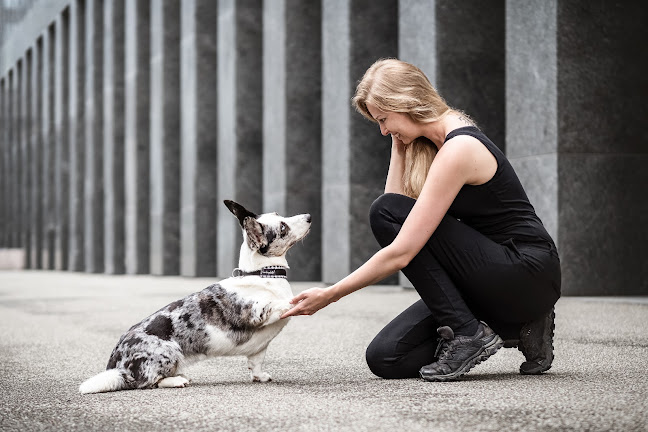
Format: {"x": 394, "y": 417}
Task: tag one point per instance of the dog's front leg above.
{"x": 276, "y": 310}
{"x": 255, "y": 364}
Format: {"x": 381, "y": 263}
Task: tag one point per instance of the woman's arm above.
{"x": 394, "y": 183}
{"x": 453, "y": 167}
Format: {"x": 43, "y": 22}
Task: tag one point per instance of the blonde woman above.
{"x": 456, "y": 220}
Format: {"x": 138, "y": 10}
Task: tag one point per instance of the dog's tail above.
{"x": 106, "y": 381}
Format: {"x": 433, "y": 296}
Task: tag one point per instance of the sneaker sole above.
{"x": 487, "y": 350}
{"x": 535, "y": 369}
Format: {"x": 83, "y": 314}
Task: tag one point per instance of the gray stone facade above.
{"x": 123, "y": 126}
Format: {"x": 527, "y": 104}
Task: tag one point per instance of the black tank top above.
{"x": 499, "y": 208}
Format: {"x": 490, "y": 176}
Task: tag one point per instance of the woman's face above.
{"x": 396, "y": 124}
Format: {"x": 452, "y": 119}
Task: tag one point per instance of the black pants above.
{"x": 461, "y": 275}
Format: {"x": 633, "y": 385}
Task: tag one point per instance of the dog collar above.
{"x": 265, "y": 272}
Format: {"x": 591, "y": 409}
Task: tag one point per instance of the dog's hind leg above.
{"x": 173, "y": 382}
{"x": 255, "y": 364}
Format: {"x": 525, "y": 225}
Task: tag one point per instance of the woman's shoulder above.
{"x": 469, "y": 154}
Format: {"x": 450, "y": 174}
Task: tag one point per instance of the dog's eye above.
{"x": 283, "y": 228}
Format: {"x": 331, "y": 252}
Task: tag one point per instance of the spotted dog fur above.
{"x": 238, "y": 316}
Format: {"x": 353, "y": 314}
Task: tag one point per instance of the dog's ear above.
{"x": 254, "y": 234}
{"x": 239, "y": 211}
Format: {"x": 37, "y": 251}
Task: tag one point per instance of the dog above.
{"x": 239, "y": 315}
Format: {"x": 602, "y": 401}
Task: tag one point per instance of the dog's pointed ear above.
{"x": 254, "y": 234}
{"x": 239, "y": 211}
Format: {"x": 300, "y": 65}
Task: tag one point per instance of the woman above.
{"x": 456, "y": 220}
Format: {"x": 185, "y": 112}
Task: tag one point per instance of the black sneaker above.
{"x": 457, "y": 355}
{"x": 536, "y": 343}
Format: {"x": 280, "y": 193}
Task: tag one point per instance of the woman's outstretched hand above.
{"x": 310, "y": 301}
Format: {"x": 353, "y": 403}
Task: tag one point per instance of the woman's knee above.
{"x": 377, "y": 361}
{"x": 382, "y": 362}
{"x": 387, "y": 211}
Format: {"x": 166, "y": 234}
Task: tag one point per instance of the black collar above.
{"x": 265, "y": 272}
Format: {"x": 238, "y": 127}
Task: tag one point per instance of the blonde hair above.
{"x": 393, "y": 85}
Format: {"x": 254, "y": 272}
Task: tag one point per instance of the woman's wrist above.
{"x": 334, "y": 293}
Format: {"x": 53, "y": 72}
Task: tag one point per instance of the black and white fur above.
{"x": 238, "y": 316}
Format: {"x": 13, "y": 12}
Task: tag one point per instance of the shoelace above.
{"x": 443, "y": 349}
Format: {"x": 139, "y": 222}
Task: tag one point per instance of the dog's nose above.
{"x": 308, "y": 218}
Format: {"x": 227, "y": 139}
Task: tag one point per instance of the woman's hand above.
{"x": 310, "y": 301}
{"x": 397, "y": 145}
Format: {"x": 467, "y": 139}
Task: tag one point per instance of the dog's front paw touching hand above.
{"x": 261, "y": 377}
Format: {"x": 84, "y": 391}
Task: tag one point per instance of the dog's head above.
{"x": 269, "y": 234}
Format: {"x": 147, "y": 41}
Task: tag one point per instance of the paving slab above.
{"x": 58, "y": 328}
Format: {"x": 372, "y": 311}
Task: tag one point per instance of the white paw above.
{"x": 173, "y": 382}
{"x": 262, "y": 377}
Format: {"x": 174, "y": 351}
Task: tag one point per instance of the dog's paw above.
{"x": 262, "y": 377}
{"x": 173, "y": 382}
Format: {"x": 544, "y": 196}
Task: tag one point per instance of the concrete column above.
{"x": 417, "y": 35}
{"x": 25, "y": 161}
{"x": 355, "y": 155}
{"x": 4, "y": 161}
{"x": 61, "y": 132}
{"x": 3, "y": 166}
{"x": 17, "y": 155}
{"x": 36, "y": 143}
{"x": 10, "y": 166}
{"x": 165, "y": 137}
{"x": 49, "y": 147}
{"x": 14, "y": 142}
{"x": 76, "y": 122}
{"x": 113, "y": 151}
{"x": 417, "y": 45}
{"x": 199, "y": 137}
{"x": 578, "y": 147}
{"x": 137, "y": 135}
{"x": 470, "y": 51}
{"x": 93, "y": 188}
{"x": 292, "y": 130}
{"x": 240, "y": 113}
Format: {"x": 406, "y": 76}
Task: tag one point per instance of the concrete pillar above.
{"x": 292, "y": 133}
{"x": 61, "y": 132}
{"x": 240, "y": 113}
{"x": 199, "y": 50}
{"x": 25, "y": 161}
{"x": 417, "y": 35}
{"x": 93, "y": 189}
{"x": 165, "y": 137}
{"x": 36, "y": 143}
{"x": 355, "y": 155}
{"x": 4, "y": 175}
{"x": 577, "y": 145}
{"x": 76, "y": 127}
{"x": 17, "y": 155}
{"x": 417, "y": 45}
{"x": 3, "y": 166}
{"x": 49, "y": 147}
{"x": 113, "y": 137}
{"x": 137, "y": 135}
{"x": 470, "y": 56}
{"x": 10, "y": 166}
{"x": 14, "y": 142}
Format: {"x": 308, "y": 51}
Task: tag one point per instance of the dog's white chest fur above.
{"x": 271, "y": 295}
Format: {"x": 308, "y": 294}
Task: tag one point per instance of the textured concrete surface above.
{"x": 58, "y": 329}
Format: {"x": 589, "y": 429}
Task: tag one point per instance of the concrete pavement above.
{"x": 58, "y": 328}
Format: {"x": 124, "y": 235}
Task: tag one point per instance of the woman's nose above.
{"x": 383, "y": 130}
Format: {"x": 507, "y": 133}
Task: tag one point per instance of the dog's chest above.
{"x": 235, "y": 314}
